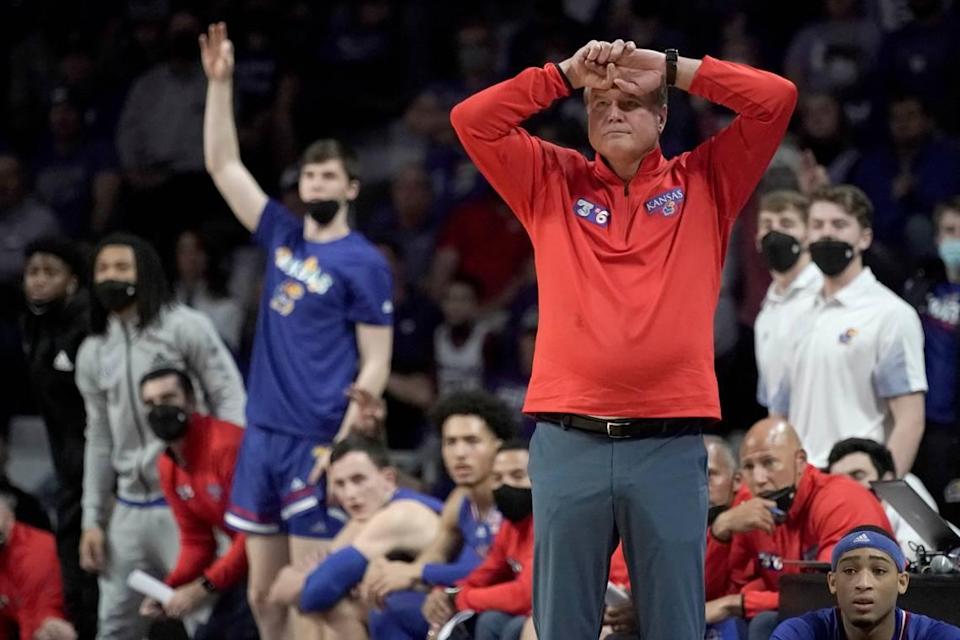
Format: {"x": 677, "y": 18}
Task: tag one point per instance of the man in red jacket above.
{"x": 629, "y": 248}
{"x": 807, "y": 513}
{"x": 196, "y": 474}
{"x": 31, "y": 592}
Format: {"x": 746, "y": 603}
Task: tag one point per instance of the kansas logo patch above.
{"x": 591, "y": 212}
{"x": 667, "y": 203}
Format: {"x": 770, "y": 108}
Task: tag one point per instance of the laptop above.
{"x": 918, "y": 514}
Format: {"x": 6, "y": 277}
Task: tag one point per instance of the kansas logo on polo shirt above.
{"x": 591, "y": 212}
{"x": 847, "y": 336}
{"x": 666, "y": 203}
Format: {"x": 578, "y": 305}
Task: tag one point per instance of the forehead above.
{"x": 332, "y": 165}
{"x": 511, "y": 459}
{"x": 865, "y": 554}
{"x": 789, "y": 212}
{"x": 48, "y": 260}
{"x": 463, "y": 425}
{"x": 166, "y": 384}
{"x": 115, "y": 252}
{"x": 950, "y": 217}
{"x": 352, "y": 463}
{"x": 852, "y": 461}
{"x": 825, "y": 211}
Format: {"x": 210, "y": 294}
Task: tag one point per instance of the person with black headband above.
{"x": 55, "y": 322}
{"x": 855, "y": 367}
{"x": 134, "y": 326}
{"x": 809, "y": 510}
{"x": 324, "y": 327}
{"x": 196, "y": 472}
{"x": 781, "y": 239}
{"x": 867, "y": 572}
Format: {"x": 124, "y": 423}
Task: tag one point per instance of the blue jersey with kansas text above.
{"x": 825, "y": 624}
{"x": 305, "y": 350}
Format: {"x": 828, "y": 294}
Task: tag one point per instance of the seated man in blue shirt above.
{"x": 868, "y": 571}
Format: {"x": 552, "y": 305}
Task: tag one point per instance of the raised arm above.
{"x": 221, "y": 152}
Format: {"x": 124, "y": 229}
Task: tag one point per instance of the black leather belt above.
{"x": 626, "y": 427}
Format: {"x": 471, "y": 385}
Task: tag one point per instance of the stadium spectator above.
{"x": 782, "y": 239}
{"x": 462, "y": 343}
{"x": 54, "y": 325}
{"x": 806, "y": 509}
{"x": 824, "y": 130}
{"x": 867, "y": 573}
{"x": 30, "y": 586}
{"x": 855, "y": 366}
{"x": 134, "y": 328}
{"x": 935, "y": 293}
{"x": 196, "y": 472}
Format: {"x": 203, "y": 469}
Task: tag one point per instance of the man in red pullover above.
{"x": 807, "y": 513}
{"x": 196, "y": 474}
{"x": 31, "y": 592}
{"x": 629, "y": 248}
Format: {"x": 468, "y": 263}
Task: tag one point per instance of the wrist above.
{"x": 206, "y": 584}
{"x": 566, "y": 69}
{"x": 720, "y": 529}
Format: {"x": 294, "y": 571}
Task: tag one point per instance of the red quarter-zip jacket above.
{"x": 199, "y": 493}
{"x": 628, "y": 273}
{"x": 30, "y": 586}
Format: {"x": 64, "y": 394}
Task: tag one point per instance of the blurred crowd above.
{"x": 102, "y": 132}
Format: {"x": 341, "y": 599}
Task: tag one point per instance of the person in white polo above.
{"x": 855, "y": 366}
{"x": 782, "y": 239}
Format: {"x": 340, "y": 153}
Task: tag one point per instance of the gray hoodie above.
{"x": 121, "y": 448}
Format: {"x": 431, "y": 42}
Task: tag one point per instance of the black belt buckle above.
{"x": 618, "y": 430}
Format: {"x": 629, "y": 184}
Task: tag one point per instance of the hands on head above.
{"x": 605, "y": 65}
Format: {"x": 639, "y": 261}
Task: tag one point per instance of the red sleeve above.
{"x": 845, "y": 505}
{"x": 513, "y": 596}
{"x": 737, "y": 157}
{"x": 494, "y": 567}
{"x": 488, "y": 125}
{"x": 198, "y": 546}
{"x": 717, "y": 567}
{"x": 38, "y": 572}
{"x": 231, "y": 567}
{"x": 757, "y": 599}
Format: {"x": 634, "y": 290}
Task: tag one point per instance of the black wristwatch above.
{"x": 672, "y": 55}
{"x": 208, "y": 586}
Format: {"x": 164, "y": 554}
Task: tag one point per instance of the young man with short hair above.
{"x": 325, "y": 325}
{"x": 855, "y": 367}
{"x": 867, "y": 573}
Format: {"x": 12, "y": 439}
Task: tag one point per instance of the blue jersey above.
{"x": 825, "y": 624}
{"x": 305, "y": 351}
{"x": 409, "y": 494}
{"x": 477, "y": 536}
{"x": 940, "y": 320}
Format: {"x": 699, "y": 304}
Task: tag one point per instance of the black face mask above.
{"x": 515, "y": 504}
{"x": 713, "y": 512}
{"x": 45, "y": 307}
{"x": 168, "y": 422}
{"x": 781, "y": 251}
{"x": 831, "y": 256}
{"x": 115, "y": 295}
{"x": 323, "y": 211}
{"x": 784, "y": 499}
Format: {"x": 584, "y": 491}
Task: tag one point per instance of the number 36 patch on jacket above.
{"x": 591, "y": 212}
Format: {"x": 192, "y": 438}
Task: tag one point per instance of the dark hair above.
{"x": 153, "y": 294}
{"x": 514, "y": 444}
{"x": 872, "y": 528}
{"x": 849, "y": 198}
{"x": 216, "y": 275}
{"x": 63, "y": 248}
{"x": 186, "y": 385}
{"x": 359, "y": 443}
{"x": 330, "y": 149}
{"x": 880, "y": 456}
{"x": 494, "y": 412}
{"x": 781, "y": 200}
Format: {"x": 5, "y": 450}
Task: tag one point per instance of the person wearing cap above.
{"x": 867, "y": 573}
{"x": 53, "y": 325}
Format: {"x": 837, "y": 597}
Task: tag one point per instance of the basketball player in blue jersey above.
{"x": 868, "y": 572}
{"x": 473, "y": 425}
{"x": 324, "y": 326}
{"x": 384, "y": 519}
